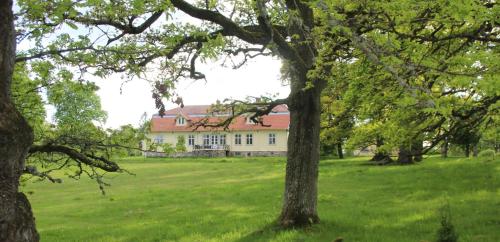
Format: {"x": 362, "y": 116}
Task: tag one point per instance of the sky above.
{"x": 126, "y": 102}
{"x": 260, "y": 76}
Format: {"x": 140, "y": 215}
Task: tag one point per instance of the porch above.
{"x": 213, "y": 147}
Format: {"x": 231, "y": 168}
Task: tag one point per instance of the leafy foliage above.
{"x": 126, "y": 140}
{"x": 168, "y": 148}
{"x": 423, "y": 75}
{"x": 490, "y": 154}
{"x": 76, "y": 104}
{"x": 180, "y": 146}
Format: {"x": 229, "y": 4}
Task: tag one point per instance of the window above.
{"x": 249, "y": 139}
{"x": 214, "y": 139}
{"x": 206, "y": 139}
{"x": 272, "y": 139}
{"x": 222, "y": 139}
{"x": 237, "y": 139}
{"x": 181, "y": 121}
{"x": 249, "y": 120}
{"x": 158, "y": 139}
{"x": 191, "y": 140}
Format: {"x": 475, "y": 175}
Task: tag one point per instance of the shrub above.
{"x": 168, "y": 149}
{"x": 446, "y": 232}
{"x": 181, "y": 144}
{"x": 487, "y": 153}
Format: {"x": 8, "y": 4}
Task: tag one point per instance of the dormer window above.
{"x": 250, "y": 121}
{"x": 181, "y": 121}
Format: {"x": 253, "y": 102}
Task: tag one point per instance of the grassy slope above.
{"x": 238, "y": 200}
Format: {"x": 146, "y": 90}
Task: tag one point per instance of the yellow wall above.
{"x": 260, "y": 139}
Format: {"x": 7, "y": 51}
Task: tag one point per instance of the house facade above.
{"x": 241, "y": 138}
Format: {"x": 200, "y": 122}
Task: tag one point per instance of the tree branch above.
{"x": 227, "y": 24}
{"x": 87, "y": 159}
{"x": 257, "y": 109}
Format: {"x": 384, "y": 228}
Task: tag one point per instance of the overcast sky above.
{"x": 259, "y": 76}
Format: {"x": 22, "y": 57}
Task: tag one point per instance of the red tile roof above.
{"x": 202, "y": 109}
{"x": 191, "y": 109}
{"x": 279, "y": 120}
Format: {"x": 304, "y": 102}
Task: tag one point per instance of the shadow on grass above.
{"x": 273, "y": 230}
{"x": 265, "y": 233}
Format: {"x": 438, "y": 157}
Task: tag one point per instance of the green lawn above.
{"x": 238, "y": 199}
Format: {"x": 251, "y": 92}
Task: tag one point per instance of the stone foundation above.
{"x": 216, "y": 153}
{"x": 257, "y": 153}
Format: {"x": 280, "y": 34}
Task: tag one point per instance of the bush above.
{"x": 168, "y": 149}
{"x": 181, "y": 144}
{"x": 446, "y": 232}
{"x": 487, "y": 153}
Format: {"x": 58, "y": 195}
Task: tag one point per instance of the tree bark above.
{"x": 16, "y": 219}
{"x": 467, "y": 150}
{"x": 405, "y": 155}
{"x": 339, "y": 151}
{"x": 444, "y": 149}
{"x": 300, "y": 198}
{"x": 416, "y": 149}
{"x": 475, "y": 150}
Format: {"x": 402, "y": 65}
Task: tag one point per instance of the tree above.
{"x": 16, "y": 219}
{"x": 466, "y": 138}
{"x": 337, "y": 118}
{"x": 127, "y": 140}
{"x": 21, "y": 108}
{"x": 250, "y": 29}
{"x": 407, "y": 48}
{"x": 432, "y": 70}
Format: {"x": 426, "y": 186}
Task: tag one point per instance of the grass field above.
{"x": 238, "y": 199}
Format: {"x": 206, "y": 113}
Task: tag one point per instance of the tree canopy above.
{"x": 403, "y": 68}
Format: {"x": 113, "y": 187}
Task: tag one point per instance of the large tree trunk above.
{"x": 405, "y": 155}
{"x": 16, "y": 220}
{"x": 339, "y": 151}
{"x": 467, "y": 150}
{"x": 300, "y": 198}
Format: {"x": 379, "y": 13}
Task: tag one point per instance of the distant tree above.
{"x": 444, "y": 148}
{"x": 336, "y": 122}
{"x": 466, "y": 138}
{"x": 126, "y": 140}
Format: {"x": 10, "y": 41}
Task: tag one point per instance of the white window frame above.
{"x": 214, "y": 139}
{"x": 237, "y": 139}
{"x": 181, "y": 121}
{"x": 222, "y": 139}
{"x": 272, "y": 139}
{"x": 191, "y": 140}
{"x": 206, "y": 139}
{"x": 249, "y": 139}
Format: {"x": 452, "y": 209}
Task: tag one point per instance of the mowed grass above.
{"x": 239, "y": 199}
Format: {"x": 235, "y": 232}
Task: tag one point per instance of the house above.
{"x": 242, "y": 137}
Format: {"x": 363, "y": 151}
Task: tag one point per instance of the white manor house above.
{"x": 242, "y": 138}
